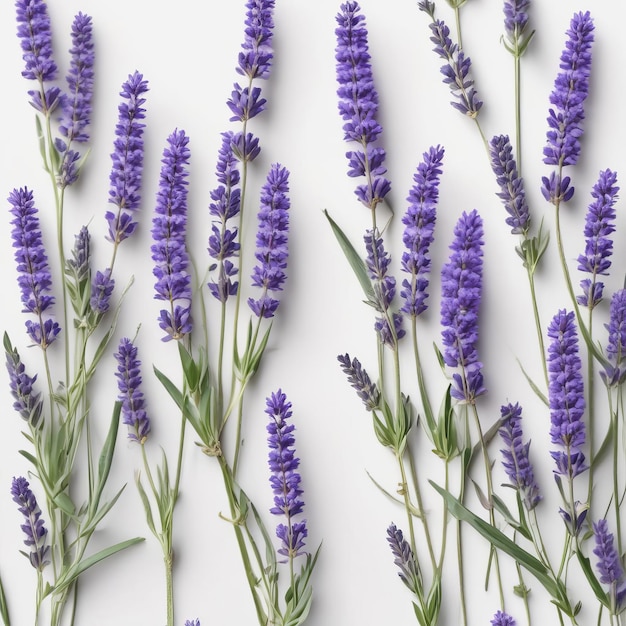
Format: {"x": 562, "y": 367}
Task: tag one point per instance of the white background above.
{"x": 188, "y": 51}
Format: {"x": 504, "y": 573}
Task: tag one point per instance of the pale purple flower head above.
{"x": 571, "y": 88}
{"x": 419, "y": 221}
{"x": 609, "y": 566}
{"x": 28, "y": 402}
{"x": 101, "y": 290}
{"x": 127, "y": 158}
{"x": 614, "y": 371}
{"x": 515, "y": 459}
{"x": 255, "y": 59}
{"x": 511, "y": 184}
{"x": 515, "y": 19}
{"x": 359, "y": 379}
{"x": 225, "y": 205}
{"x": 566, "y": 395}
{"x": 169, "y": 228}
{"x": 502, "y": 619}
{"x": 285, "y": 479}
{"x": 404, "y": 559}
{"x": 461, "y": 291}
{"x": 79, "y": 263}
{"x": 33, "y": 525}
{"x": 599, "y": 225}
{"x": 129, "y": 379}
{"x": 271, "y": 241}
{"x": 358, "y": 104}
{"x": 34, "y": 278}
{"x": 457, "y": 67}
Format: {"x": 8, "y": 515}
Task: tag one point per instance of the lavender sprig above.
{"x": 33, "y": 526}
{"x": 609, "y": 566}
{"x": 358, "y": 105}
{"x": 359, "y": 379}
{"x": 515, "y": 24}
{"x": 169, "y": 251}
{"x": 614, "y": 371}
{"x": 271, "y": 242}
{"x": 419, "y": 221}
{"x": 461, "y": 290}
{"x": 599, "y": 225}
{"x": 34, "y": 276}
{"x": 255, "y": 59}
{"x": 404, "y": 559}
{"x": 502, "y": 619}
{"x": 127, "y": 157}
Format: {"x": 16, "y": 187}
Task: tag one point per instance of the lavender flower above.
{"x": 456, "y": 70}
{"x": 461, "y": 289}
{"x": 285, "y": 480}
{"x": 599, "y": 225}
{"x": 359, "y": 379}
{"x": 511, "y": 185}
{"x": 609, "y": 566}
{"x": 169, "y": 251}
{"x": 614, "y": 372}
{"x": 271, "y": 241}
{"x": 566, "y": 395}
{"x": 34, "y": 276}
{"x": 565, "y": 119}
{"x": 192, "y": 622}
{"x": 515, "y": 23}
{"x": 245, "y": 103}
{"x": 101, "y": 290}
{"x": 79, "y": 263}
{"x": 27, "y": 403}
{"x": 358, "y": 104}
{"x": 377, "y": 262}
{"x": 404, "y": 558}
{"x": 502, "y": 619}
{"x": 127, "y": 159}
{"x": 129, "y": 382}
{"x": 76, "y": 111}
{"x": 256, "y": 55}
{"x": 419, "y": 220}
{"x": 515, "y": 456}
{"x": 33, "y": 526}
{"x": 245, "y": 147}
{"x": 574, "y": 518}
{"x": 223, "y": 244}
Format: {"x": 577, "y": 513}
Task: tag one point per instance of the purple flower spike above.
{"x": 610, "y": 566}
{"x": 358, "y": 104}
{"x": 127, "y": 157}
{"x": 408, "y": 568}
{"x": 223, "y": 244}
{"x": 419, "y": 221}
{"x": 515, "y": 456}
{"x": 169, "y": 251}
{"x": 33, "y": 29}
{"x": 571, "y": 88}
{"x": 285, "y": 479}
{"x": 192, "y": 622}
{"x": 511, "y": 185}
{"x": 515, "y": 21}
{"x": 33, "y": 526}
{"x": 566, "y": 395}
{"x": 599, "y": 225}
{"x": 614, "y": 372}
{"x": 129, "y": 382}
{"x": 245, "y": 103}
{"x": 359, "y": 379}
{"x": 502, "y": 619}
{"x": 456, "y": 70}
{"x": 27, "y": 403}
{"x": 34, "y": 276}
{"x": 76, "y": 112}
{"x": 461, "y": 290}
{"x": 255, "y": 59}
{"x": 271, "y": 241}
{"x": 101, "y": 291}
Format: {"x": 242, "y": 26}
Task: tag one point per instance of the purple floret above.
{"x": 33, "y": 525}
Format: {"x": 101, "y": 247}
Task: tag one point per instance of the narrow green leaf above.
{"x": 106, "y": 454}
{"x": 4, "y": 607}
{"x": 146, "y": 506}
{"x": 533, "y": 385}
{"x": 100, "y": 513}
{"x": 594, "y": 583}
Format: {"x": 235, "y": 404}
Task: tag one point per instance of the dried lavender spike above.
{"x": 408, "y": 567}
{"x": 609, "y": 566}
{"x": 33, "y": 527}
{"x": 27, "y": 403}
{"x": 359, "y": 379}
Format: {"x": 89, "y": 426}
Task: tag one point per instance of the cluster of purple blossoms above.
{"x": 566, "y": 395}
{"x": 614, "y": 371}
{"x": 515, "y": 458}
{"x": 285, "y": 479}
{"x": 101, "y": 290}
{"x": 378, "y": 261}
{"x": 571, "y": 88}
{"x": 461, "y": 290}
{"x": 515, "y": 21}
{"x": 225, "y": 205}
{"x": 609, "y": 566}
{"x": 33, "y": 526}
{"x": 599, "y": 225}
{"x": 169, "y": 228}
{"x": 271, "y": 241}
{"x": 129, "y": 379}
{"x": 34, "y": 278}
{"x": 419, "y": 221}
{"x": 192, "y": 622}
{"x": 256, "y": 55}
{"x": 78, "y": 265}
{"x": 127, "y": 158}
{"x": 408, "y": 568}
{"x": 27, "y": 403}
{"x": 359, "y": 379}
{"x": 502, "y": 619}
{"x": 456, "y": 70}
{"x": 511, "y": 184}
{"x": 358, "y": 105}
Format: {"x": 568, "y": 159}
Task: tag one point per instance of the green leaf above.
{"x": 4, "y": 607}
{"x": 594, "y": 583}
{"x": 146, "y": 506}
{"x": 533, "y": 385}
{"x": 100, "y": 513}
{"x": 354, "y": 259}
{"x": 106, "y": 454}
